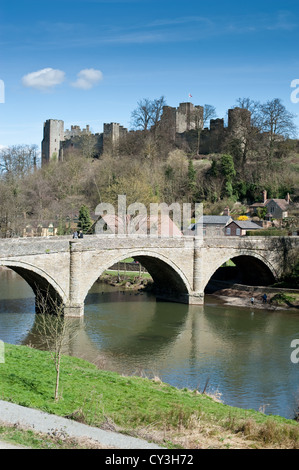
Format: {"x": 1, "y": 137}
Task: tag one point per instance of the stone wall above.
{"x": 181, "y": 267}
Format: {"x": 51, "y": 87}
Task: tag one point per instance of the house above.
{"x": 239, "y": 228}
{"x": 276, "y": 208}
{"x": 212, "y": 225}
{"x": 36, "y": 229}
{"x": 161, "y": 226}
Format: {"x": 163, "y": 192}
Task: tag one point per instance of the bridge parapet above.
{"x": 181, "y": 264}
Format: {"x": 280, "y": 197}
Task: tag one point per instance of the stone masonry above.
{"x": 180, "y": 266}
{"x": 175, "y": 122}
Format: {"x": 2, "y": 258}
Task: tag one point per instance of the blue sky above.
{"x": 89, "y": 62}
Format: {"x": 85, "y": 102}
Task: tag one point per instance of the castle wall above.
{"x": 179, "y": 124}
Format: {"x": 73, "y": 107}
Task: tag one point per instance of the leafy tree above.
{"x": 228, "y": 172}
{"x": 85, "y": 221}
{"x": 261, "y": 212}
{"x": 227, "y": 167}
{"x": 191, "y": 176}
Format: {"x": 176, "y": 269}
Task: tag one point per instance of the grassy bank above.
{"x": 20, "y": 437}
{"x": 137, "y": 406}
{"x": 128, "y": 280}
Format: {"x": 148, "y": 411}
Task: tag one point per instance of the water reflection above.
{"x": 244, "y": 353}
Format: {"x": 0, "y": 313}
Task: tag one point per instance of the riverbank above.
{"x": 137, "y": 406}
{"x": 231, "y": 294}
{"x": 130, "y": 280}
{"x": 240, "y": 296}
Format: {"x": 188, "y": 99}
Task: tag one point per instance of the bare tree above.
{"x": 53, "y": 330}
{"x": 253, "y": 107}
{"x": 209, "y": 112}
{"x": 200, "y": 117}
{"x": 18, "y": 160}
{"x": 147, "y": 113}
{"x": 157, "y": 109}
{"x": 88, "y": 146}
{"x": 277, "y": 120}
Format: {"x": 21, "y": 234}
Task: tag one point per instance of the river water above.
{"x": 242, "y": 354}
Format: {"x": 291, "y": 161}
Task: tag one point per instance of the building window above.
{"x": 238, "y": 231}
{"x": 228, "y": 231}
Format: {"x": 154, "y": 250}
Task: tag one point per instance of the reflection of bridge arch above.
{"x": 255, "y": 268}
{"x": 167, "y": 276}
{"x": 144, "y": 335}
{"x": 36, "y": 278}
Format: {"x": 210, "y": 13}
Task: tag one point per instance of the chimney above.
{"x": 265, "y": 195}
{"x": 226, "y": 211}
{"x": 288, "y": 198}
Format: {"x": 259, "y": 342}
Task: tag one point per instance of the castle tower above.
{"x": 239, "y": 121}
{"x": 52, "y": 138}
{"x": 181, "y": 119}
{"x": 112, "y": 133}
{"x": 188, "y": 117}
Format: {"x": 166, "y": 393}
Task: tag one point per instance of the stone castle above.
{"x": 176, "y": 123}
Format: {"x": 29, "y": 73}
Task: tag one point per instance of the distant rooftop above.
{"x": 215, "y": 219}
{"x": 246, "y": 224}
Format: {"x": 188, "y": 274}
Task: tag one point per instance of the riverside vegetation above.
{"x": 148, "y": 166}
{"x": 138, "y": 406}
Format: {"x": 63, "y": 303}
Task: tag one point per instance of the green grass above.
{"x": 128, "y": 274}
{"x": 19, "y": 436}
{"x": 132, "y": 403}
{"x": 229, "y": 263}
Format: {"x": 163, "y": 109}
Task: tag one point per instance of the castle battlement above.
{"x": 176, "y": 122}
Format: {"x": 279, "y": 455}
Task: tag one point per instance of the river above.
{"x": 242, "y": 354}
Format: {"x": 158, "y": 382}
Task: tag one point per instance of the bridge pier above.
{"x": 74, "y": 308}
{"x": 197, "y": 298}
{"x": 181, "y": 267}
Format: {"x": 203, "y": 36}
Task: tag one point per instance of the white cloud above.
{"x": 87, "y": 78}
{"x": 44, "y": 79}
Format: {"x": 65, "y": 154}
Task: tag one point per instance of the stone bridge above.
{"x": 181, "y": 267}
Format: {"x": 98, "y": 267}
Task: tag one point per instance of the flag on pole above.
{"x": 190, "y": 96}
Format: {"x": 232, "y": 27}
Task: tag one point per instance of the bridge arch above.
{"x": 169, "y": 279}
{"x": 253, "y": 268}
{"x": 39, "y": 281}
